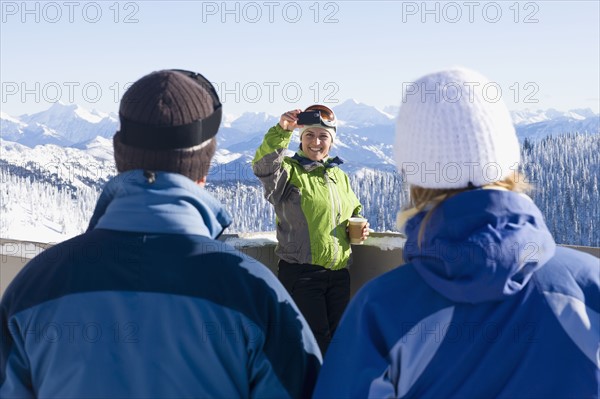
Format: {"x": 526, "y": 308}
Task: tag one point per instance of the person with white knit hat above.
{"x": 486, "y": 302}
{"x": 313, "y": 201}
{"x": 454, "y": 132}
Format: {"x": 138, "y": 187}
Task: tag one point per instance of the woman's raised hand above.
{"x": 288, "y": 120}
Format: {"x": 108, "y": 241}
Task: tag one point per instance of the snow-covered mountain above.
{"x": 528, "y": 117}
{"x": 353, "y": 114}
{"x": 365, "y": 137}
{"x": 542, "y": 123}
{"x": 391, "y": 110}
{"x": 14, "y": 129}
{"x": 74, "y": 167}
{"x": 11, "y": 128}
{"x": 99, "y": 147}
{"x": 60, "y": 124}
{"x": 559, "y": 126}
{"x": 53, "y": 176}
{"x": 251, "y": 122}
{"x": 69, "y": 125}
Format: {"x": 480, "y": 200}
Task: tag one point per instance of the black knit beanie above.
{"x": 161, "y": 125}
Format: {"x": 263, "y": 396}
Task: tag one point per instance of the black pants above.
{"x": 321, "y": 295}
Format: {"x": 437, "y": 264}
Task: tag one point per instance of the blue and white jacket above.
{"x": 486, "y": 307}
{"x": 147, "y": 304}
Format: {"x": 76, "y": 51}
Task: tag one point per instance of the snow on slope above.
{"x": 74, "y": 123}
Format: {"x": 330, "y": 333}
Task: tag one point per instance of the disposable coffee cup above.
{"x": 355, "y": 226}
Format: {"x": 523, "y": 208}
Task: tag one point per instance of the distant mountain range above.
{"x": 54, "y": 164}
{"x": 365, "y": 139}
{"x": 60, "y": 124}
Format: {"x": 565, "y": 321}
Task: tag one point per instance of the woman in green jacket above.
{"x": 313, "y": 201}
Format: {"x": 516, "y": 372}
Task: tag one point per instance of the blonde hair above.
{"x": 422, "y": 198}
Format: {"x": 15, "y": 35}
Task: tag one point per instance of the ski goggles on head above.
{"x": 327, "y": 116}
{"x": 184, "y": 136}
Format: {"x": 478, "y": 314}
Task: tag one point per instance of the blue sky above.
{"x": 277, "y": 55}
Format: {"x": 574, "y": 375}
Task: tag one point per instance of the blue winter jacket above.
{"x": 486, "y": 307}
{"x": 147, "y": 304}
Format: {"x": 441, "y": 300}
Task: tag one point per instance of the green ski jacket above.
{"x": 313, "y": 201}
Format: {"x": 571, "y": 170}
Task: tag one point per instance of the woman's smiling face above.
{"x": 316, "y": 143}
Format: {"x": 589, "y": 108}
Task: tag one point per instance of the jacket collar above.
{"x": 171, "y": 204}
{"x": 480, "y": 245}
{"x": 309, "y": 165}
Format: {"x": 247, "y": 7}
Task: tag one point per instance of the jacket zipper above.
{"x": 335, "y": 216}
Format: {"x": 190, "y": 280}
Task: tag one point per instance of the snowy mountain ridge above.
{"x": 54, "y": 165}
{"x": 67, "y": 125}
{"x": 527, "y": 116}
{"x": 69, "y": 134}
{"x": 77, "y": 138}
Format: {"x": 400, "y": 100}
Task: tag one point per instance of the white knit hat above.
{"x": 454, "y": 130}
{"x": 330, "y": 130}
